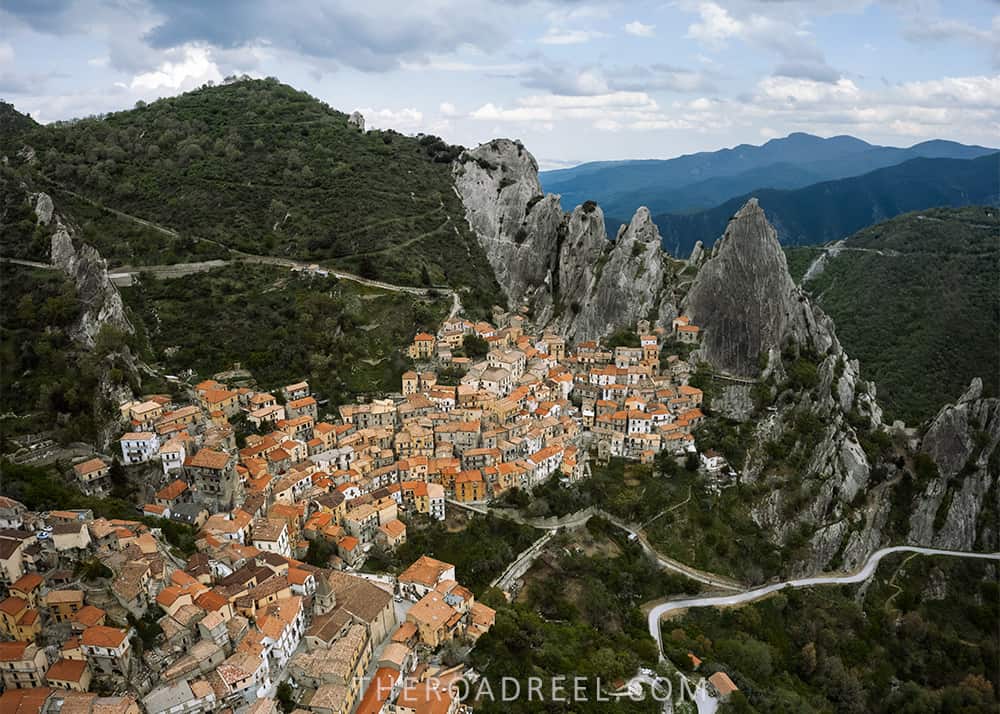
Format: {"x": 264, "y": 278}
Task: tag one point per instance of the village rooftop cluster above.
{"x": 261, "y": 479}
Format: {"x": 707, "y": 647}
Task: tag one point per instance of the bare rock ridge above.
{"x": 89, "y": 272}
{"x": 957, "y": 508}
{"x": 562, "y": 266}
{"x": 101, "y": 306}
{"x": 745, "y": 300}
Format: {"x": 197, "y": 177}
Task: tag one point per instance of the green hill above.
{"x": 259, "y": 167}
{"x": 835, "y": 209}
{"x": 916, "y": 300}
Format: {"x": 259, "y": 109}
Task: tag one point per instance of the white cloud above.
{"x": 193, "y": 67}
{"x": 492, "y": 112}
{"x": 555, "y": 36}
{"x": 639, "y": 29}
{"x": 716, "y": 25}
{"x": 6, "y": 53}
{"x": 794, "y": 91}
{"x": 447, "y": 109}
{"x": 406, "y": 119}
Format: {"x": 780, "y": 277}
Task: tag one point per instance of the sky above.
{"x": 575, "y": 80}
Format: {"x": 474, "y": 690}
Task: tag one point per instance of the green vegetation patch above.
{"x": 480, "y": 551}
{"x": 260, "y": 167}
{"x": 922, "y": 638}
{"x": 923, "y": 314}
{"x": 345, "y": 338}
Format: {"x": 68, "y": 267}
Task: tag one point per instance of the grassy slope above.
{"x": 282, "y": 327}
{"x": 893, "y": 648}
{"x": 923, "y": 321}
{"x": 261, "y": 167}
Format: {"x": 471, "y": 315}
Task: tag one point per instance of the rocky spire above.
{"x": 561, "y": 265}
{"x": 746, "y": 302}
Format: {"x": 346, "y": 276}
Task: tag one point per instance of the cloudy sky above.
{"x": 575, "y": 80}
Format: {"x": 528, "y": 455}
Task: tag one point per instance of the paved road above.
{"x": 505, "y": 581}
{"x": 757, "y": 593}
{"x": 709, "y": 706}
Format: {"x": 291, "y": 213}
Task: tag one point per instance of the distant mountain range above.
{"x": 703, "y": 180}
{"x": 835, "y": 209}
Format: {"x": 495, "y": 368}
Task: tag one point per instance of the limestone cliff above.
{"x": 89, "y": 273}
{"x": 745, "y": 300}
{"x": 562, "y": 266}
{"x": 101, "y": 306}
{"x": 805, "y": 463}
{"x": 957, "y": 508}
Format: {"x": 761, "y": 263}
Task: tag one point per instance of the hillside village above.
{"x": 265, "y": 482}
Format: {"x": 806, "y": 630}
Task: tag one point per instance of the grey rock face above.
{"x": 517, "y": 227}
{"x": 961, "y": 441}
{"x": 89, "y": 272}
{"x": 745, "y": 301}
{"x": 561, "y": 265}
{"x": 43, "y": 208}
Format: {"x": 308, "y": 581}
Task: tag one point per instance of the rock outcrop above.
{"x": 745, "y": 300}
{"x": 962, "y": 441}
{"x": 562, "y": 266}
{"x": 89, "y": 272}
{"x": 101, "y": 305}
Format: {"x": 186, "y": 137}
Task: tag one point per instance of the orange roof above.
{"x": 172, "y": 490}
{"x": 688, "y": 328}
{"x": 208, "y": 459}
{"x": 28, "y": 582}
{"x": 425, "y": 570}
{"x": 211, "y": 601}
{"x": 12, "y": 651}
{"x": 101, "y": 636}
{"x": 378, "y": 691}
{"x": 722, "y": 682}
{"x": 67, "y": 670}
{"x": 89, "y": 616}
{"x": 423, "y": 337}
{"x": 24, "y": 701}
{"x": 348, "y": 543}
{"x": 89, "y": 466}
{"x": 405, "y": 632}
{"x": 13, "y": 605}
{"x": 297, "y": 576}
{"x": 394, "y": 528}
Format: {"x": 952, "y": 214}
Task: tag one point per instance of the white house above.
{"x": 139, "y": 446}
{"x": 713, "y": 460}
{"x": 271, "y": 534}
{"x": 172, "y": 455}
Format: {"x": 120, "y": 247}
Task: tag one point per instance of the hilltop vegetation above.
{"x": 919, "y": 305}
{"x": 257, "y": 166}
{"x": 345, "y": 338}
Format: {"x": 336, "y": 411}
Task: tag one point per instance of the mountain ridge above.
{"x": 795, "y": 161}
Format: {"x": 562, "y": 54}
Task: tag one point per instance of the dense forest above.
{"x": 283, "y": 326}
{"x": 916, "y": 300}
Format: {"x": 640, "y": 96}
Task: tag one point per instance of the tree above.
{"x": 475, "y": 346}
{"x": 284, "y": 695}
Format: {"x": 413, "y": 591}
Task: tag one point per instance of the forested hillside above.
{"x": 259, "y": 167}
{"x": 916, "y": 300}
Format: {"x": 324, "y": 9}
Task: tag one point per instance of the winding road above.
{"x": 657, "y": 613}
